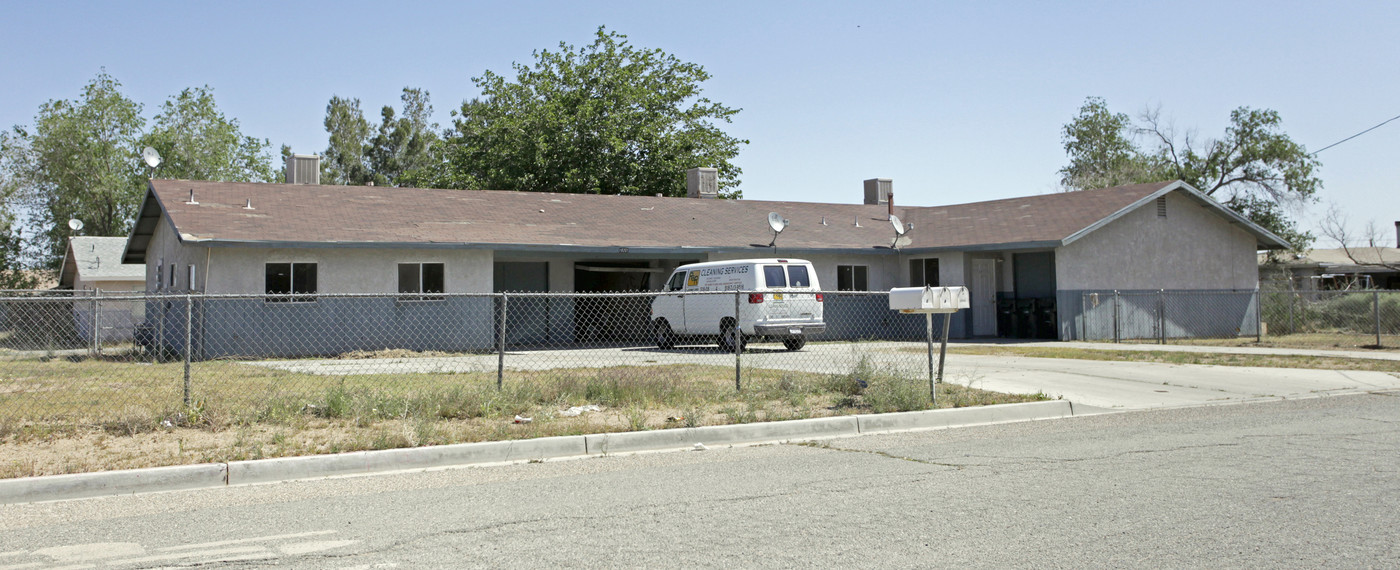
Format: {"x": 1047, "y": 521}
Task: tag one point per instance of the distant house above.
{"x": 1334, "y": 269}
{"x": 93, "y": 265}
{"x": 1036, "y": 254}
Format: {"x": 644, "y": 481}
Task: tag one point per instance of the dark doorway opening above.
{"x": 621, "y": 318}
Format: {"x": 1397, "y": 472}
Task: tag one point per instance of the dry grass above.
{"x": 75, "y": 415}
{"x": 1173, "y": 357}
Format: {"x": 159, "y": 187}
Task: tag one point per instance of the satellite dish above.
{"x": 76, "y": 225}
{"x": 150, "y": 156}
{"x": 778, "y": 224}
{"x": 898, "y": 225}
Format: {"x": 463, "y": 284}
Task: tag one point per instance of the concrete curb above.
{"x": 365, "y": 462}
{"x": 960, "y": 417}
{"x": 679, "y": 438}
{"x": 107, "y": 483}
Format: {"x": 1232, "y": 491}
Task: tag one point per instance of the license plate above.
{"x": 777, "y": 296}
{"x": 794, "y": 331}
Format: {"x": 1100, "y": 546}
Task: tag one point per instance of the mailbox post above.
{"x": 930, "y": 300}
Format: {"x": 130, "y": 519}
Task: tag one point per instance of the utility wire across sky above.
{"x": 1314, "y": 153}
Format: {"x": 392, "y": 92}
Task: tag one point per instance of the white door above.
{"x": 984, "y": 297}
{"x": 672, "y": 306}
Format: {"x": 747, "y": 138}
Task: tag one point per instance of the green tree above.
{"x": 608, "y": 118}
{"x": 401, "y": 150}
{"x": 1102, "y": 152}
{"x": 79, "y": 162}
{"x": 1255, "y": 169}
{"x": 12, "y": 267}
{"x": 197, "y": 142}
{"x": 344, "y": 160}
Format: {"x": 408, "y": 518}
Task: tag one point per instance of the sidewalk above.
{"x": 1367, "y": 354}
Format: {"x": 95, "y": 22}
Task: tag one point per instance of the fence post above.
{"x": 1161, "y": 316}
{"x": 161, "y": 309}
{"x": 932, "y": 387}
{"x": 737, "y": 342}
{"x": 1376, "y": 308}
{"x": 1115, "y": 317}
{"x": 501, "y": 345}
{"x": 1083, "y": 318}
{"x": 189, "y": 321}
{"x": 1258, "y": 315}
{"x": 943, "y": 348}
{"x": 1292, "y": 328}
{"x": 95, "y": 342}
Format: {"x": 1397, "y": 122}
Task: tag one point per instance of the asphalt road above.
{"x": 1312, "y": 482}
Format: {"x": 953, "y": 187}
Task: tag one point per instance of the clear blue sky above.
{"x": 956, "y": 101}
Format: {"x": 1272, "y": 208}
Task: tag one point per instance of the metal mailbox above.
{"x": 928, "y": 299}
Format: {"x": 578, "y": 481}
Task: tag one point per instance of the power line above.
{"x": 1314, "y": 153}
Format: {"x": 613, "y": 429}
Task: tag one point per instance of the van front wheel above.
{"x": 795, "y": 343}
{"x": 727, "y": 336}
{"x": 665, "y": 339}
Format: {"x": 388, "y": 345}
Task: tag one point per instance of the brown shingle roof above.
{"x": 368, "y": 215}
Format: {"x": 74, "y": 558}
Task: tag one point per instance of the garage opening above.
{"x": 614, "y": 319}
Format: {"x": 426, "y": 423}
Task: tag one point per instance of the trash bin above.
{"x": 1025, "y": 318}
{"x": 1045, "y": 317}
{"x": 1006, "y": 318}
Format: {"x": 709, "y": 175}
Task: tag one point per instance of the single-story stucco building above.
{"x": 1036, "y": 254}
{"x": 92, "y": 266}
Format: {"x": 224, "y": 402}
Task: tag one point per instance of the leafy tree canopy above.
{"x": 1254, "y": 169}
{"x": 394, "y": 154}
{"x": 81, "y": 160}
{"x": 197, "y": 142}
{"x": 607, "y": 118}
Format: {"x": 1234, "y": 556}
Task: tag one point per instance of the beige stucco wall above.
{"x": 1192, "y": 248}
{"x": 241, "y": 270}
{"x": 165, "y": 249}
{"x": 347, "y": 270}
{"x": 952, "y": 267}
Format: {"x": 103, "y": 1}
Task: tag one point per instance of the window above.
{"x": 677, "y": 281}
{"x": 923, "y": 272}
{"x": 192, "y": 280}
{"x": 797, "y": 275}
{"x": 291, "y": 278}
{"x": 160, "y": 276}
{"x": 773, "y": 276}
{"x": 852, "y": 278}
{"x": 174, "y": 267}
{"x": 422, "y": 278}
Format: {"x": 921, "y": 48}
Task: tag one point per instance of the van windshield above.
{"x": 798, "y": 275}
{"x": 773, "y": 276}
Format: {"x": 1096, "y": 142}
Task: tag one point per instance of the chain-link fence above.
{"x": 81, "y": 357}
{"x": 1358, "y": 318}
{"x": 1322, "y": 318}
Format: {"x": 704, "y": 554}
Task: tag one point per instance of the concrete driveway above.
{"x": 1105, "y": 384}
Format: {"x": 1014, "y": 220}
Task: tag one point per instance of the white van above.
{"x": 783, "y": 303}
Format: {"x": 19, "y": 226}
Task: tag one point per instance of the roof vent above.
{"x": 249, "y": 206}
{"x": 304, "y": 169}
{"x": 878, "y": 190}
{"x": 192, "y": 202}
{"x": 702, "y": 183}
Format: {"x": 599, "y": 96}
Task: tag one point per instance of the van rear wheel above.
{"x": 795, "y": 343}
{"x": 665, "y": 339}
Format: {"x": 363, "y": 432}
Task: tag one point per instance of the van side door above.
{"x": 695, "y": 305}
